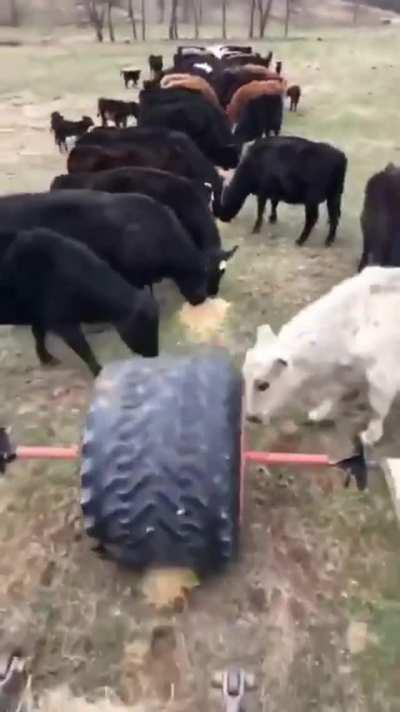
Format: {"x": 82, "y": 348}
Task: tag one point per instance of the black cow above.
{"x": 294, "y": 94}
{"x": 171, "y": 151}
{"x": 156, "y": 64}
{"x": 189, "y": 112}
{"x": 260, "y": 117}
{"x": 380, "y": 219}
{"x": 241, "y": 58}
{"x": 53, "y": 283}
{"x": 139, "y": 237}
{"x": 63, "y": 129}
{"x": 179, "y": 194}
{"x": 117, "y": 111}
{"x": 292, "y": 170}
{"x": 130, "y": 76}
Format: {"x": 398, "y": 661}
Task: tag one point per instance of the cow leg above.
{"x": 273, "y": 218}
{"x": 312, "y": 214}
{"x": 74, "y": 338}
{"x": 364, "y": 258}
{"x": 44, "y": 356}
{"x": 333, "y": 204}
{"x": 380, "y": 396}
{"x": 261, "y": 203}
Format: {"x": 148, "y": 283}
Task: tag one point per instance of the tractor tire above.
{"x": 161, "y": 462}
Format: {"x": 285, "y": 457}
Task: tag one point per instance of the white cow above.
{"x": 349, "y": 336}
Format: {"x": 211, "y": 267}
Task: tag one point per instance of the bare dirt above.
{"x": 312, "y": 606}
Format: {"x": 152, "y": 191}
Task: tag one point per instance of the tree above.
{"x": 287, "y": 17}
{"x": 96, "y": 16}
{"x": 173, "y": 21}
{"x": 161, "y": 11}
{"x": 224, "y": 12}
{"x": 264, "y": 13}
{"x": 111, "y": 33}
{"x": 144, "y": 26}
{"x": 132, "y": 18}
{"x": 252, "y": 18}
{"x": 14, "y": 13}
{"x": 196, "y": 17}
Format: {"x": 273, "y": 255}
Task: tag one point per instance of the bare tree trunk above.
{"x": 14, "y": 13}
{"x": 186, "y": 10}
{"x": 173, "y": 22}
{"x": 96, "y": 18}
{"x": 144, "y": 26}
{"x": 131, "y": 14}
{"x": 224, "y": 12}
{"x": 356, "y": 11}
{"x": 161, "y": 11}
{"x": 196, "y": 18}
{"x": 287, "y": 17}
{"x": 111, "y": 32}
{"x": 252, "y": 18}
{"x": 264, "y": 15}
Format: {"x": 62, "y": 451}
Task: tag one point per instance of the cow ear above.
{"x": 265, "y": 335}
{"x": 228, "y": 254}
{"x": 281, "y": 362}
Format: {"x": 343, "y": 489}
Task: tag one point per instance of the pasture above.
{"x": 313, "y": 606}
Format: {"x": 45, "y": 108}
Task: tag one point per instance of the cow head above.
{"x": 268, "y": 376}
{"x": 87, "y": 122}
{"x": 228, "y": 156}
{"x": 216, "y": 264}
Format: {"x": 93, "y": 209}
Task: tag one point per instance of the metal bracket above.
{"x": 7, "y": 452}
{"x": 355, "y": 466}
{"x": 233, "y": 683}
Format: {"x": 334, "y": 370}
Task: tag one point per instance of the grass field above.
{"x": 313, "y": 606}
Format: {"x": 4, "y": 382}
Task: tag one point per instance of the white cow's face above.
{"x": 267, "y": 376}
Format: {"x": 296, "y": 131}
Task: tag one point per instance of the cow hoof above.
{"x": 256, "y": 231}
{"x": 300, "y": 242}
{"x": 273, "y": 220}
{"x": 329, "y": 242}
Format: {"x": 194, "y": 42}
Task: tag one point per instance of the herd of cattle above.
{"x": 139, "y": 204}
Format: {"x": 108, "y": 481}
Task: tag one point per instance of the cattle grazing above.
{"x": 260, "y": 117}
{"x": 192, "y": 83}
{"x": 294, "y": 94}
{"x": 179, "y": 194}
{"x": 291, "y": 170}
{"x": 117, "y": 111}
{"x": 380, "y": 219}
{"x": 235, "y": 59}
{"x": 249, "y": 91}
{"x": 345, "y": 339}
{"x": 53, "y": 284}
{"x": 228, "y": 81}
{"x": 130, "y": 76}
{"x": 189, "y": 112}
{"x": 156, "y": 65}
{"x": 172, "y": 151}
{"x": 139, "y": 237}
{"x": 64, "y": 129}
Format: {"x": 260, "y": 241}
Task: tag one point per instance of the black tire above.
{"x": 161, "y": 462}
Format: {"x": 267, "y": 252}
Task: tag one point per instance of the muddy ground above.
{"x": 312, "y": 607}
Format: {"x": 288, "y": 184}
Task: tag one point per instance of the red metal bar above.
{"x": 263, "y": 458}
{"x": 287, "y": 458}
{"x": 47, "y": 453}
